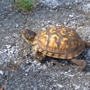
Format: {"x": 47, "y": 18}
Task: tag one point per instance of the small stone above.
{"x": 1, "y": 72}
{"x": 27, "y": 69}
{"x": 8, "y": 46}
{"x": 88, "y": 37}
{"x": 65, "y": 23}
{"x": 17, "y": 25}
{"x": 26, "y": 74}
{"x": 77, "y": 87}
{"x": 15, "y": 35}
{"x": 71, "y": 15}
{"x": 59, "y": 85}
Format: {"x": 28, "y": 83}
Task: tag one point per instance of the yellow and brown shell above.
{"x": 59, "y": 42}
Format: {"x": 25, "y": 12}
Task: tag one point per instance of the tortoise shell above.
{"x": 59, "y": 42}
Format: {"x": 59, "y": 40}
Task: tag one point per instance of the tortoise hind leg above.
{"x": 81, "y": 63}
{"x": 39, "y": 56}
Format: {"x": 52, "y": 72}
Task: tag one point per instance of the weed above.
{"x": 25, "y": 5}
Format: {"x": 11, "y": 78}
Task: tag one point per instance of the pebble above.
{"x": 59, "y": 85}
{"x": 89, "y": 37}
{"x": 8, "y": 46}
{"x": 17, "y": 25}
{"x": 71, "y": 15}
{"x": 1, "y": 72}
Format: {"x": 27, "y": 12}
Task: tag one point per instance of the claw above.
{"x": 80, "y": 68}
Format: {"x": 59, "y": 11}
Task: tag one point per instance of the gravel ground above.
{"x": 18, "y": 69}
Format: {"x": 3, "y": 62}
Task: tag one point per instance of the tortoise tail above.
{"x": 87, "y": 44}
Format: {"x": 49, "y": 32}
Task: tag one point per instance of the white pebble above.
{"x": 1, "y": 72}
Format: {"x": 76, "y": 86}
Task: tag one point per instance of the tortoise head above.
{"x": 28, "y": 35}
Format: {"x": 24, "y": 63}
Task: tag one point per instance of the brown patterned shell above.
{"x": 59, "y": 42}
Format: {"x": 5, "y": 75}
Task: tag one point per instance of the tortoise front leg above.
{"x": 39, "y": 56}
{"x": 81, "y": 63}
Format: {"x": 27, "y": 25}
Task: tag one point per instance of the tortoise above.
{"x": 58, "y": 42}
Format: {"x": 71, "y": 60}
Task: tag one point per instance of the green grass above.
{"x": 25, "y": 5}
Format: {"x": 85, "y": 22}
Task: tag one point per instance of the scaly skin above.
{"x": 28, "y": 35}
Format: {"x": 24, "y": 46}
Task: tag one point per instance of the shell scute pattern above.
{"x": 59, "y": 42}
